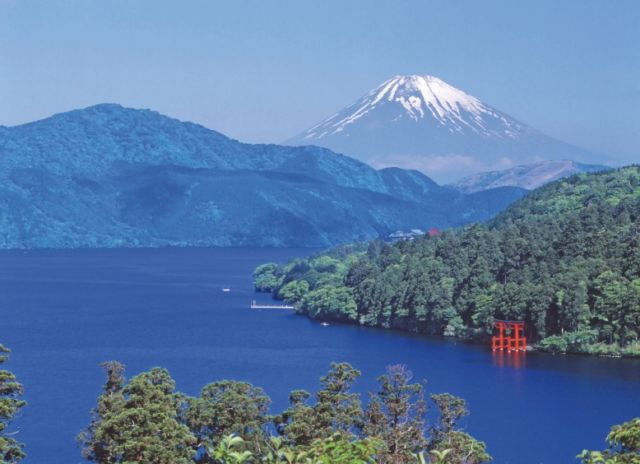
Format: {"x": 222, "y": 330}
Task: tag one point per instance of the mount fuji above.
{"x": 424, "y": 123}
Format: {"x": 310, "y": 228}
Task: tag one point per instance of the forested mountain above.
{"x": 111, "y": 176}
{"x": 565, "y": 259}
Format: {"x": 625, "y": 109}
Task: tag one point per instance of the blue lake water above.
{"x": 64, "y": 312}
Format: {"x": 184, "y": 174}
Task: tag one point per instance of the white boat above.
{"x": 324, "y": 324}
{"x": 226, "y": 289}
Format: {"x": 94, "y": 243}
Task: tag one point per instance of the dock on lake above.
{"x": 255, "y": 305}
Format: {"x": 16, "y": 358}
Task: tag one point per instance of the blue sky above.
{"x": 262, "y": 70}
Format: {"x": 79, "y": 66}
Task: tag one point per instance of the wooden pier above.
{"x": 255, "y": 305}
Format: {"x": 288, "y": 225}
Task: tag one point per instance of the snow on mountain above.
{"x": 417, "y": 97}
{"x": 528, "y": 177}
{"x": 424, "y": 123}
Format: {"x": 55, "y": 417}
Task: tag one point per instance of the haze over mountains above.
{"x": 111, "y": 176}
{"x": 529, "y": 176}
{"x": 424, "y": 123}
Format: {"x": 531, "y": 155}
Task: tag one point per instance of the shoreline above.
{"x": 535, "y": 348}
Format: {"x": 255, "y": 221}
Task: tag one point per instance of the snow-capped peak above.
{"x": 439, "y": 97}
{"x": 421, "y": 122}
{"x": 418, "y": 98}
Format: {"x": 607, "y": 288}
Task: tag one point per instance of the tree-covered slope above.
{"x": 111, "y": 176}
{"x": 89, "y": 141}
{"x": 565, "y": 259}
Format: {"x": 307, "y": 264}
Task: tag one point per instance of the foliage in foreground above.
{"x": 138, "y": 421}
{"x": 146, "y": 420}
{"x": 565, "y": 259}
{"x": 11, "y": 450}
{"x": 624, "y": 446}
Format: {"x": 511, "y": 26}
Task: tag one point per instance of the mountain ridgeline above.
{"x": 528, "y": 176}
{"x": 109, "y": 176}
{"x": 565, "y": 259}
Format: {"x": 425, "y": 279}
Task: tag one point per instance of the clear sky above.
{"x": 261, "y": 70}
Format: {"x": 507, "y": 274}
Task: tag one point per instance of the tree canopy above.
{"x": 138, "y": 421}
{"x": 565, "y": 259}
{"x": 11, "y": 450}
{"x": 624, "y": 446}
{"x": 145, "y": 419}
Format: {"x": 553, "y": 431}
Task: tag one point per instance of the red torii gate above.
{"x": 515, "y": 341}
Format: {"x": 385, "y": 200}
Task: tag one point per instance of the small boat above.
{"x": 324, "y": 324}
{"x": 226, "y": 289}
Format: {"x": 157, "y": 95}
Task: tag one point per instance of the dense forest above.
{"x": 565, "y": 259}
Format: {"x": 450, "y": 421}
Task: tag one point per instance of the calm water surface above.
{"x": 64, "y": 312}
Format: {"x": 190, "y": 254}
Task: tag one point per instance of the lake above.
{"x": 64, "y": 312}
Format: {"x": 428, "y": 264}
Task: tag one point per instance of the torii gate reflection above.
{"x": 515, "y": 360}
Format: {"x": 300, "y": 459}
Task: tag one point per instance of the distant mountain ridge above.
{"x": 119, "y": 134}
{"x": 109, "y": 176}
{"x": 424, "y": 123}
{"x": 529, "y": 177}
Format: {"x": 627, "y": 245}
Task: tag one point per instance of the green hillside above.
{"x": 109, "y": 176}
{"x": 565, "y": 259}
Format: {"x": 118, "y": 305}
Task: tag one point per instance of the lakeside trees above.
{"x": 145, "y": 420}
{"x": 396, "y": 414}
{"x": 138, "y": 421}
{"x": 565, "y": 259}
{"x": 624, "y": 446}
{"x": 11, "y": 450}
{"x": 228, "y": 407}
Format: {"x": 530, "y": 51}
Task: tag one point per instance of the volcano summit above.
{"x": 424, "y": 123}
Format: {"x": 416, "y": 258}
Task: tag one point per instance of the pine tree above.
{"x": 337, "y": 409}
{"x": 459, "y": 446}
{"x": 624, "y": 446}
{"x": 11, "y": 450}
{"x": 396, "y": 416}
{"x": 138, "y": 421}
{"x": 226, "y": 408}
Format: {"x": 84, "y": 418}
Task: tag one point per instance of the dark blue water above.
{"x": 64, "y": 312}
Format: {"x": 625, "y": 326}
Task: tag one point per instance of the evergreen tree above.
{"x": 11, "y": 450}
{"x": 99, "y": 446}
{"x": 336, "y": 410}
{"x": 624, "y": 446}
{"x": 138, "y": 421}
{"x": 460, "y": 447}
{"x": 396, "y": 416}
{"x": 226, "y": 408}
